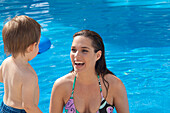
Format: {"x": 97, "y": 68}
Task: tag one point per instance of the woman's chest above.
{"x": 87, "y": 101}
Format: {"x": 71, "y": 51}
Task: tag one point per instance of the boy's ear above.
{"x": 99, "y": 54}
{"x": 31, "y": 47}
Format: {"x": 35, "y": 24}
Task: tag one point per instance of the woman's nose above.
{"x": 77, "y": 54}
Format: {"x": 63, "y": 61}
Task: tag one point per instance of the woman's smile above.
{"x": 78, "y": 64}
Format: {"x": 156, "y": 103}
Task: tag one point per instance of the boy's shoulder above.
{"x": 7, "y": 60}
{"x": 24, "y": 72}
{"x": 6, "y": 63}
{"x": 28, "y": 74}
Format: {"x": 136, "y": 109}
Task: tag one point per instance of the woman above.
{"x": 90, "y": 87}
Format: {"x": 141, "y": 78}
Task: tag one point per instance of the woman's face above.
{"x": 82, "y": 54}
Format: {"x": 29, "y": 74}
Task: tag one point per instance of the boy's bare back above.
{"x": 20, "y": 81}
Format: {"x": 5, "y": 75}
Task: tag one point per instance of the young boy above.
{"x": 21, "y": 37}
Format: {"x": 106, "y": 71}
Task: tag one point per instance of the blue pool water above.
{"x": 136, "y": 34}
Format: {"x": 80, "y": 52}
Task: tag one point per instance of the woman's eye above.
{"x": 73, "y": 50}
{"x": 84, "y": 51}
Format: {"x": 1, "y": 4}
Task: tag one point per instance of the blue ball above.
{"x": 44, "y": 45}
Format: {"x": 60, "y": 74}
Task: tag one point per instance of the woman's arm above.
{"x": 57, "y": 101}
{"x": 120, "y": 98}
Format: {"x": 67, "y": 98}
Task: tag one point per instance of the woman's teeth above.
{"x": 79, "y": 63}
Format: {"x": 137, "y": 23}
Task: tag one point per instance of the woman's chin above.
{"x": 78, "y": 70}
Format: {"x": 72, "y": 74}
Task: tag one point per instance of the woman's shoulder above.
{"x": 114, "y": 82}
{"x": 117, "y": 93}
{"x": 64, "y": 82}
{"x": 62, "y": 87}
{"x": 112, "y": 78}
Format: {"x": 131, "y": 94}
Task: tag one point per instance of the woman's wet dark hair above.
{"x": 97, "y": 43}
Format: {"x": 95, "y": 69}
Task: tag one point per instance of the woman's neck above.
{"x": 86, "y": 77}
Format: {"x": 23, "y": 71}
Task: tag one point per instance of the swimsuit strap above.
{"x": 73, "y": 92}
{"x": 75, "y": 82}
{"x": 99, "y": 83}
{"x": 73, "y": 85}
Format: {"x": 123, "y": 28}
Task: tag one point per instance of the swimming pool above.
{"x": 136, "y": 36}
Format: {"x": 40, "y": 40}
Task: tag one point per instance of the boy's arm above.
{"x": 29, "y": 87}
{"x": 1, "y": 78}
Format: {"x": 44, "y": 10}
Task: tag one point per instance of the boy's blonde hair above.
{"x": 19, "y": 33}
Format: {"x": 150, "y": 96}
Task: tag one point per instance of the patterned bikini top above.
{"x": 105, "y": 107}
